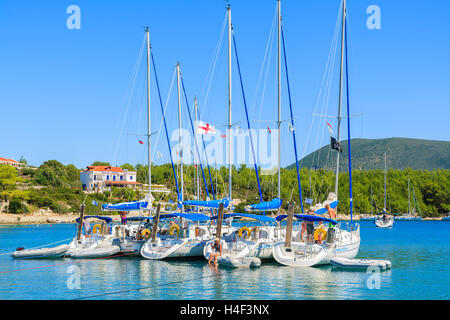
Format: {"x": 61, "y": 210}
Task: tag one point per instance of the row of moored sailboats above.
{"x": 209, "y": 230}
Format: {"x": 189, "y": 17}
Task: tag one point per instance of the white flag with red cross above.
{"x": 205, "y": 128}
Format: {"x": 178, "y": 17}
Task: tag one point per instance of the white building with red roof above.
{"x": 12, "y": 162}
{"x": 100, "y": 177}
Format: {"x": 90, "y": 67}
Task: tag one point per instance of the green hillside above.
{"x": 368, "y": 154}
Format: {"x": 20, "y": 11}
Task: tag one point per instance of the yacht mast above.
{"x": 180, "y": 135}
{"x": 196, "y": 154}
{"x": 279, "y": 99}
{"x": 340, "y": 95}
{"x": 148, "y": 117}
{"x": 229, "y": 108}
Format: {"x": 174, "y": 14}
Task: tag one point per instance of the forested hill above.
{"x": 368, "y": 154}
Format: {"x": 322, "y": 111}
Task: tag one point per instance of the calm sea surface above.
{"x": 419, "y": 252}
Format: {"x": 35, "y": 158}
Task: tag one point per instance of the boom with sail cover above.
{"x": 125, "y": 206}
{"x": 208, "y": 204}
{"x": 265, "y": 206}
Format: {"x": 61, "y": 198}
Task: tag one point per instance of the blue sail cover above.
{"x": 189, "y": 216}
{"x": 265, "y": 206}
{"x": 324, "y": 210}
{"x": 208, "y": 204}
{"x": 125, "y": 206}
{"x": 248, "y": 215}
{"x": 307, "y": 217}
{"x": 106, "y": 219}
{"x": 139, "y": 218}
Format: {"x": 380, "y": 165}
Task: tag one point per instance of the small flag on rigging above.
{"x": 141, "y": 142}
{"x": 330, "y": 129}
{"x": 205, "y": 128}
{"x": 270, "y": 131}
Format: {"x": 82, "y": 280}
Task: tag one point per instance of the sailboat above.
{"x": 339, "y": 240}
{"x": 384, "y": 220}
{"x": 412, "y": 213}
{"x": 131, "y": 237}
{"x": 95, "y": 245}
{"x": 246, "y": 242}
{"x": 193, "y": 229}
{"x": 178, "y": 241}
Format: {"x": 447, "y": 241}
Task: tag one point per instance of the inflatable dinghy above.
{"x": 43, "y": 253}
{"x": 245, "y": 262}
{"x": 345, "y": 263}
{"x": 97, "y": 252}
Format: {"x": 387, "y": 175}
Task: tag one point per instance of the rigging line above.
{"x": 264, "y": 69}
{"x": 248, "y": 121}
{"x": 292, "y": 121}
{"x": 165, "y": 127}
{"x": 193, "y": 132}
{"x": 325, "y": 83}
{"x": 207, "y": 163}
{"x": 266, "y": 62}
{"x": 165, "y": 110}
{"x": 213, "y": 63}
{"x": 325, "y": 97}
{"x": 130, "y": 90}
{"x": 325, "y": 75}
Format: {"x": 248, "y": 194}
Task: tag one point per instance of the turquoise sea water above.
{"x": 419, "y": 251}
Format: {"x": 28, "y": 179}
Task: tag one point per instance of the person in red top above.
{"x": 123, "y": 217}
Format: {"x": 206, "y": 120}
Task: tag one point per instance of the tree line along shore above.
{"x": 54, "y": 193}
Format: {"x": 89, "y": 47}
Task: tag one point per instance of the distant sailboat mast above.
{"x": 385, "y": 181}
{"x": 409, "y": 200}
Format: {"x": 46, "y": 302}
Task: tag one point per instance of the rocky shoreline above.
{"x": 45, "y": 217}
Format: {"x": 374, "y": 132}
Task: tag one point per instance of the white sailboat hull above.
{"x": 178, "y": 248}
{"x": 384, "y": 224}
{"x": 299, "y": 255}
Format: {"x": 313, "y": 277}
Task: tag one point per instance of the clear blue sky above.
{"x": 63, "y": 92}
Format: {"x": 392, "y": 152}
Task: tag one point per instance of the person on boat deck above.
{"x": 147, "y": 223}
{"x": 217, "y": 251}
{"x": 310, "y": 228}
{"x": 303, "y": 230}
{"x": 331, "y": 213}
{"x": 86, "y": 227}
{"x": 123, "y": 217}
